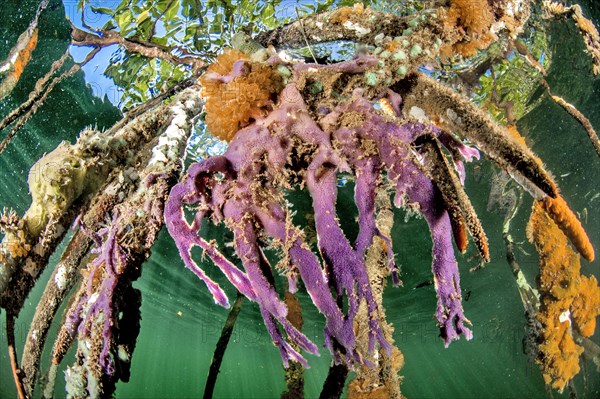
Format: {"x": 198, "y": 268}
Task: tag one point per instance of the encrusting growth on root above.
{"x": 474, "y": 17}
{"x": 566, "y": 220}
{"x": 381, "y": 380}
{"x": 18, "y": 57}
{"x": 568, "y": 300}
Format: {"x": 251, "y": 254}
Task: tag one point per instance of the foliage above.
{"x": 514, "y": 80}
{"x": 194, "y": 27}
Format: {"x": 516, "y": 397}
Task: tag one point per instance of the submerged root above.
{"x": 568, "y": 300}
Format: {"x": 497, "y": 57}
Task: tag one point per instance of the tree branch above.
{"x": 147, "y": 49}
{"x": 346, "y": 23}
{"x": 12, "y": 355}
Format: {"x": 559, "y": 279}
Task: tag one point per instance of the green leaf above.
{"x": 123, "y": 20}
{"x": 267, "y": 12}
{"x": 102, "y": 10}
{"x": 172, "y": 11}
{"x": 110, "y": 24}
{"x": 142, "y": 17}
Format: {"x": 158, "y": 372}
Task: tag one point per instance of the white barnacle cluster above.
{"x": 175, "y": 135}
{"x": 60, "y": 278}
{"x": 515, "y": 7}
{"x": 418, "y": 114}
{"x": 360, "y": 30}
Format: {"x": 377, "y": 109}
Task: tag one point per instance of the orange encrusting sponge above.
{"x": 566, "y": 220}
{"x": 232, "y": 104}
{"x": 568, "y": 299}
{"x": 474, "y": 18}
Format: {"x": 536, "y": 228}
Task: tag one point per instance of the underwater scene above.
{"x": 299, "y": 199}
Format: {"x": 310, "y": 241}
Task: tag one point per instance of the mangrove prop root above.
{"x": 53, "y": 296}
{"x": 506, "y": 199}
{"x": 20, "y": 55}
{"x": 334, "y": 383}
{"x": 12, "y": 355}
{"x": 101, "y": 316}
{"x": 294, "y": 374}
{"x": 575, "y": 113}
{"x": 461, "y": 212}
{"x": 382, "y": 380}
{"x": 35, "y": 94}
{"x": 61, "y": 183}
{"x": 424, "y": 93}
{"x": 215, "y": 364}
{"x": 65, "y": 273}
{"x": 38, "y": 102}
{"x": 68, "y": 327}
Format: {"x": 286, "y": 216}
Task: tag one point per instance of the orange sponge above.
{"x": 233, "y": 101}
{"x": 564, "y": 217}
{"x": 568, "y": 299}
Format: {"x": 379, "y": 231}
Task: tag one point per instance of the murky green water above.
{"x": 180, "y": 323}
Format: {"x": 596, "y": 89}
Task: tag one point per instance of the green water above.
{"x": 181, "y": 324}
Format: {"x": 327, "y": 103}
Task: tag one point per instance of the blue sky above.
{"x": 100, "y": 84}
